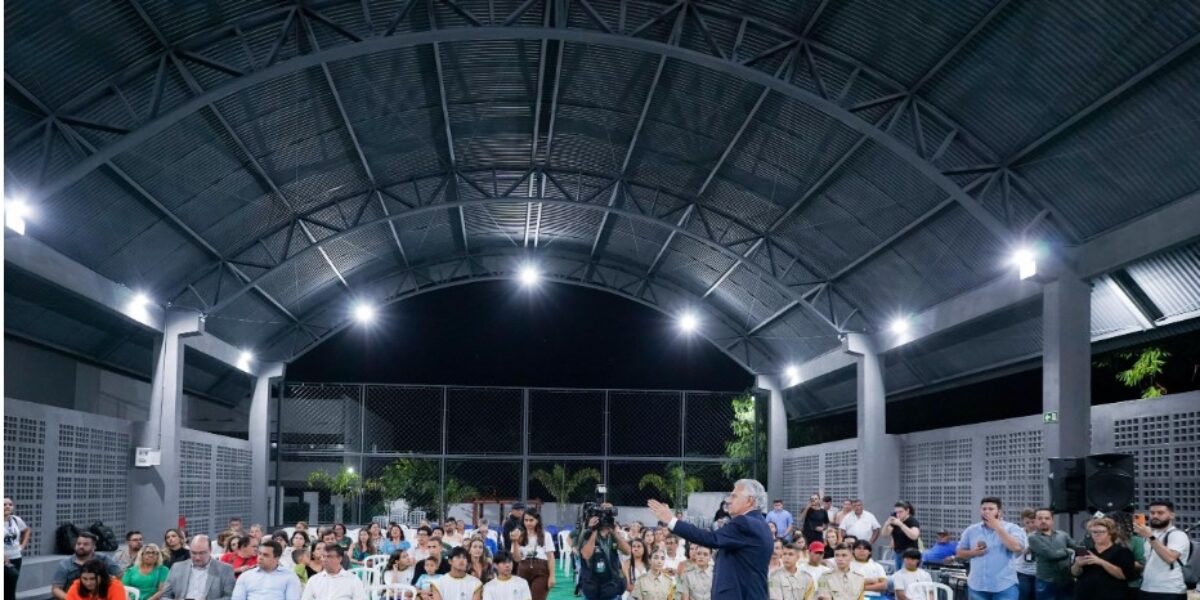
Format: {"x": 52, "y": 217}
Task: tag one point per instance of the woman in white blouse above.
{"x": 533, "y": 549}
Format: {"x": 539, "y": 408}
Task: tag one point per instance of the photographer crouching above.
{"x": 600, "y": 566}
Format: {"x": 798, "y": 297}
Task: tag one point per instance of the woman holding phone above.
{"x": 1101, "y": 573}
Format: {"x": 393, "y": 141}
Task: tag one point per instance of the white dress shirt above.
{"x": 343, "y": 586}
{"x": 197, "y": 587}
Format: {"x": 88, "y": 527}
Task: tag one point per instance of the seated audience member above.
{"x": 343, "y": 538}
{"x": 302, "y": 559}
{"x": 696, "y": 582}
{"x": 399, "y": 569}
{"x": 70, "y": 567}
{"x": 280, "y": 537}
{"x": 489, "y": 536}
{"x": 433, "y": 550}
{"x": 128, "y": 555}
{"x": 452, "y": 536}
{"x": 96, "y": 582}
{"x": 424, "y": 580}
{"x": 1102, "y": 571}
{"x": 268, "y": 580}
{"x": 910, "y": 573}
{"x": 815, "y": 564}
{"x": 175, "y": 549}
{"x": 329, "y": 537}
{"x": 506, "y": 586}
{"x": 841, "y": 583}
{"x": 942, "y": 551}
{"x": 789, "y": 582}
{"x": 458, "y": 584}
{"x": 479, "y": 563}
{"x": 655, "y": 585}
{"x": 255, "y": 534}
{"x": 419, "y": 551}
{"x": 334, "y": 582}
{"x": 200, "y": 577}
{"x": 992, "y": 545}
{"x": 394, "y": 541}
{"x": 231, "y": 547}
{"x": 376, "y": 533}
{"x": 776, "y": 557}
{"x": 244, "y": 559}
{"x": 299, "y": 540}
{"x": 361, "y": 549}
{"x": 235, "y": 525}
{"x": 301, "y": 526}
{"x": 147, "y": 574}
{"x": 675, "y": 555}
{"x": 873, "y": 573}
{"x": 833, "y": 539}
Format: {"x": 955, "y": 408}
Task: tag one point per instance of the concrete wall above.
{"x": 944, "y": 472}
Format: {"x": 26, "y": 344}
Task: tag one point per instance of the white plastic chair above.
{"x": 393, "y": 591}
{"x": 133, "y": 593}
{"x": 375, "y": 561}
{"x": 565, "y": 551}
{"x": 929, "y": 591}
{"x": 366, "y": 576}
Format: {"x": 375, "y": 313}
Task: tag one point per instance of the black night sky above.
{"x": 497, "y": 333}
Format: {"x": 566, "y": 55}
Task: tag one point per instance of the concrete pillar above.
{"x": 776, "y": 434}
{"x": 1067, "y": 366}
{"x": 878, "y": 452}
{"x": 260, "y": 441}
{"x": 313, "y": 499}
{"x": 154, "y": 491}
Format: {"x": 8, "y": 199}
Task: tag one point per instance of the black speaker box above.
{"x": 1110, "y": 482}
{"x": 1067, "y": 485}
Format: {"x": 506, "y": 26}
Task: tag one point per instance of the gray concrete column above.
{"x": 878, "y": 452}
{"x": 1067, "y": 366}
{"x": 260, "y": 441}
{"x": 154, "y": 491}
{"x": 776, "y": 434}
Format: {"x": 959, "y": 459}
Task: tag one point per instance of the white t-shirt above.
{"x": 904, "y": 578}
{"x": 860, "y": 527}
{"x": 535, "y": 550}
{"x": 814, "y": 572}
{"x": 12, "y": 537}
{"x": 457, "y": 588}
{"x": 870, "y": 570}
{"x": 1159, "y": 577}
{"x": 672, "y": 562}
{"x": 514, "y": 588}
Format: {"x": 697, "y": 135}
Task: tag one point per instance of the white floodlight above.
{"x": 364, "y": 312}
{"x": 900, "y": 325}
{"x": 792, "y": 373}
{"x": 529, "y": 275}
{"x": 1025, "y": 258}
{"x": 244, "y": 360}
{"x": 15, "y": 213}
{"x": 689, "y": 322}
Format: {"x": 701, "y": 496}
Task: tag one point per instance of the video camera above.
{"x": 608, "y": 515}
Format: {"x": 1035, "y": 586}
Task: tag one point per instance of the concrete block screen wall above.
{"x": 944, "y": 472}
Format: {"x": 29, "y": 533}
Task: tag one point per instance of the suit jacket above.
{"x": 220, "y": 580}
{"x": 745, "y": 544}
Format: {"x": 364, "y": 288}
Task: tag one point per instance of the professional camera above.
{"x": 608, "y": 515}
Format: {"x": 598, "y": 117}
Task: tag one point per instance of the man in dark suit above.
{"x": 745, "y": 543}
{"x": 201, "y": 578}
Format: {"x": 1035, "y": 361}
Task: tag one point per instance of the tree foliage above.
{"x": 1147, "y": 365}
{"x": 346, "y": 483}
{"x": 562, "y": 483}
{"x": 417, "y": 482}
{"x": 740, "y": 449}
{"x": 672, "y": 484}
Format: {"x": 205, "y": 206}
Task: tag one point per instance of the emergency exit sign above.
{"x": 1050, "y": 417}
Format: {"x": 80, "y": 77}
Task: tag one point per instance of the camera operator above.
{"x": 600, "y": 569}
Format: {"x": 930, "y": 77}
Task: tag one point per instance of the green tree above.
{"x": 740, "y": 449}
{"x": 346, "y": 483}
{"x": 417, "y": 482}
{"x": 1147, "y": 366}
{"x": 561, "y": 484}
{"x": 677, "y": 484}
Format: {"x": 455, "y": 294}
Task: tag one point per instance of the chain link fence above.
{"x": 403, "y": 452}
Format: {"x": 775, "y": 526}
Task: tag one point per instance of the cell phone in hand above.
{"x": 1139, "y": 519}
{"x": 1082, "y": 551}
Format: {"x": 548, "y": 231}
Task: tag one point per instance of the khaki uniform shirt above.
{"x": 654, "y": 587}
{"x": 841, "y": 586}
{"x": 782, "y": 585}
{"x": 696, "y": 584}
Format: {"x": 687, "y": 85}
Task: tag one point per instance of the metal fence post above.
{"x": 604, "y": 459}
{"x": 525, "y": 445}
{"x": 442, "y": 459}
{"x": 682, "y": 449}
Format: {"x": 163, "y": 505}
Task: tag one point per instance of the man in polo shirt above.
{"x": 991, "y": 546}
{"x": 267, "y": 581}
{"x": 68, "y": 569}
{"x": 334, "y": 581}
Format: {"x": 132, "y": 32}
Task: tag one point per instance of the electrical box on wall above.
{"x": 147, "y": 457}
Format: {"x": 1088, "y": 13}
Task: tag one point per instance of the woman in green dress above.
{"x": 147, "y": 574}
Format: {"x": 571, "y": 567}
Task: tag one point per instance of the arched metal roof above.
{"x": 793, "y": 169}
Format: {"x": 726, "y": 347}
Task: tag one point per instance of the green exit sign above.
{"x": 1050, "y": 417}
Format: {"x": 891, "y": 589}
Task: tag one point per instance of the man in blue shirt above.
{"x": 991, "y": 546}
{"x": 944, "y": 549}
{"x": 268, "y": 581}
{"x": 783, "y": 521}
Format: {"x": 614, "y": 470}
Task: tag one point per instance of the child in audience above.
{"x": 910, "y": 574}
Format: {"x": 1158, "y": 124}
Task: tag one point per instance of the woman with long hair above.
{"x": 281, "y": 537}
{"x": 362, "y": 548}
{"x": 533, "y": 549}
{"x": 343, "y": 540}
{"x": 299, "y": 540}
{"x": 174, "y": 549}
{"x": 833, "y": 537}
{"x": 395, "y": 540}
{"x": 16, "y": 539}
{"x": 95, "y": 582}
{"x": 479, "y": 563}
{"x": 147, "y": 573}
{"x": 655, "y": 585}
{"x": 397, "y": 573}
{"x": 638, "y": 563}
{"x": 376, "y": 534}
{"x": 776, "y": 557}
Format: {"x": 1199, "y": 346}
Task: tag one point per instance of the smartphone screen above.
{"x": 1139, "y": 519}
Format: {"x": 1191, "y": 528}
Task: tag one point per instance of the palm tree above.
{"x": 560, "y": 484}
{"x": 677, "y": 484}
